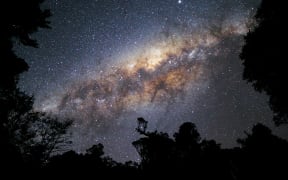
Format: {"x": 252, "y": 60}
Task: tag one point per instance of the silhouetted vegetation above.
{"x": 260, "y": 155}
{"x": 264, "y": 57}
{"x": 28, "y": 139}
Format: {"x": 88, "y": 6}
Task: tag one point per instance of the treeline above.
{"x": 260, "y": 155}
{"x": 29, "y": 139}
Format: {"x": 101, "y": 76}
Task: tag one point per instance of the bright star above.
{"x": 179, "y": 1}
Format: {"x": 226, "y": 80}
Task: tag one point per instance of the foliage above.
{"x": 264, "y": 57}
{"x": 26, "y": 136}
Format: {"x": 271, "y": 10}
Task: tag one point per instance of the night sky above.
{"x": 106, "y": 62}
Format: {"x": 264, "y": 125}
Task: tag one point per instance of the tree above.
{"x": 188, "y": 138}
{"x": 142, "y": 125}
{"x": 25, "y": 134}
{"x": 91, "y": 163}
{"x": 155, "y": 148}
{"x": 262, "y": 140}
{"x": 38, "y": 136}
{"x": 262, "y": 155}
{"x": 185, "y": 155}
{"x": 264, "y": 57}
{"x": 19, "y": 19}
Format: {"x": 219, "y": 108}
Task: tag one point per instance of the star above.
{"x": 123, "y": 60}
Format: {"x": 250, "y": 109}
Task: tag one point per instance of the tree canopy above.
{"x": 264, "y": 57}
{"x": 26, "y": 136}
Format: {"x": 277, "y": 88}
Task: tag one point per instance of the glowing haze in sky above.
{"x": 105, "y": 63}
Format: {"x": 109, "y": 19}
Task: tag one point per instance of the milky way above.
{"x": 105, "y": 63}
{"x": 160, "y": 73}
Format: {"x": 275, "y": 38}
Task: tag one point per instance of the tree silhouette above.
{"x": 188, "y": 139}
{"x": 262, "y": 155}
{"x": 19, "y": 20}
{"x": 92, "y": 159}
{"x": 25, "y": 136}
{"x": 156, "y": 150}
{"x": 142, "y": 125}
{"x": 38, "y": 136}
{"x": 28, "y": 138}
{"x": 264, "y": 57}
{"x": 92, "y": 163}
{"x": 185, "y": 155}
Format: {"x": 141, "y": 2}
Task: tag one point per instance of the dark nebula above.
{"x": 167, "y": 61}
